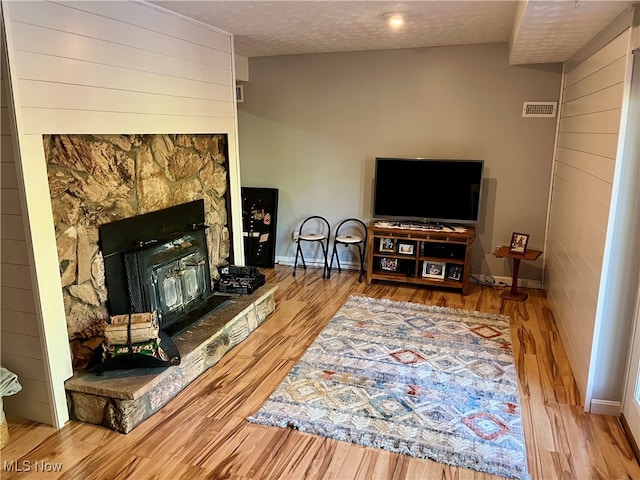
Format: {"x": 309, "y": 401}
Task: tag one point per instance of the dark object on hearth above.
{"x": 239, "y": 271}
{"x": 127, "y": 361}
{"x": 259, "y": 213}
{"x": 237, "y": 279}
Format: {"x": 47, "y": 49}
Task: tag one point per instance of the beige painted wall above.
{"x": 311, "y": 126}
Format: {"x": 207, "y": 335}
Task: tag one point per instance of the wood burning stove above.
{"x": 158, "y": 262}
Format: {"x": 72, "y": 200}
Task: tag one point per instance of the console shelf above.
{"x": 421, "y": 256}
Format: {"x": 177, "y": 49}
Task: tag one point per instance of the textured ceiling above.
{"x": 538, "y": 31}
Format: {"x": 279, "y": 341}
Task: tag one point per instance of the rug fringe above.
{"x": 378, "y": 441}
{"x": 432, "y": 308}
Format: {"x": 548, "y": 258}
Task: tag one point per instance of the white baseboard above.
{"x": 522, "y": 282}
{"x": 316, "y": 263}
{"x": 605, "y": 407}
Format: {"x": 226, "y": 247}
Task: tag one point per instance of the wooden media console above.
{"x": 423, "y": 255}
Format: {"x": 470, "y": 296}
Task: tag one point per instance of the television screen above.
{"x": 427, "y": 190}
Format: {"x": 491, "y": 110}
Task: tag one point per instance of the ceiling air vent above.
{"x": 539, "y": 109}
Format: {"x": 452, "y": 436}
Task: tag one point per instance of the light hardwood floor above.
{"x": 203, "y": 433}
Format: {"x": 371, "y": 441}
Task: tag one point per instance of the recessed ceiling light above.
{"x": 395, "y": 20}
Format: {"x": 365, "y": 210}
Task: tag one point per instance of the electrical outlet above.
{"x": 294, "y": 236}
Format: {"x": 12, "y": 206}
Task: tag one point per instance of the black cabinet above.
{"x": 259, "y": 214}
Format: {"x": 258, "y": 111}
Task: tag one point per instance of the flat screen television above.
{"x": 427, "y": 190}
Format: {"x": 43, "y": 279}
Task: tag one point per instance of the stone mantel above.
{"x": 122, "y": 399}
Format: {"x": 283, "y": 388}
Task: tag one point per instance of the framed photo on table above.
{"x": 389, "y": 264}
{"x": 433, "y": 270}
{"x": 454, "y": 272}
{"x": 387, "y": 245}
{"x": 406, "y": 248}
{"x": 519, "y": 242}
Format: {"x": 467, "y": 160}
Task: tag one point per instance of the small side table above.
{"x": 530, "y": 255}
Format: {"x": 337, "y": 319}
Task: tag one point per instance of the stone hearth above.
{"x": 122, "y": 399}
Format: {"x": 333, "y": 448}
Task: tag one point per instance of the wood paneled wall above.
{"x": 20, "y": 345}
{"x": 105, "y": 68}
{"x": 581, "y": 196}
{"x": 118, "y": 67}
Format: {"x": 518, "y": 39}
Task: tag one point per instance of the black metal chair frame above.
{"x": 349, "y": 241}
{"x": 313, "y": 237}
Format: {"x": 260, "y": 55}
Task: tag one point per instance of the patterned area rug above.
{"x": 424, "y": 381}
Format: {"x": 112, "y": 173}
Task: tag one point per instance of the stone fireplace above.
{"x": 98, "y": 179}
{"x": 100, "y": 183}
{"x": 158, "y": 262}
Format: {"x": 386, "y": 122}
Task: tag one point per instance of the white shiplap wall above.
{"x": 581, "y": 196}
{"x": 106, "y": 67}
{"x": 20, "y": 346}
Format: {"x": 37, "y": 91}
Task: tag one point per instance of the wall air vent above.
{"x": 539, "y": 109}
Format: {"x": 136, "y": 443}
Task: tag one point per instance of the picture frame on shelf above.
{"x": 406, "y": 248}
{"x": 387, "y": 245}
{"x": 435, "y": 270}
{"x": 389, "y": 264}
{"x": 519, "y": 242}
{"x": 454, "y": 272}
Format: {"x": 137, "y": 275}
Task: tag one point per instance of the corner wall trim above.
{"x": 605, "y": 407}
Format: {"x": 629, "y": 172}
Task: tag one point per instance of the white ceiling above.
{"x": 537, "y": 31}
